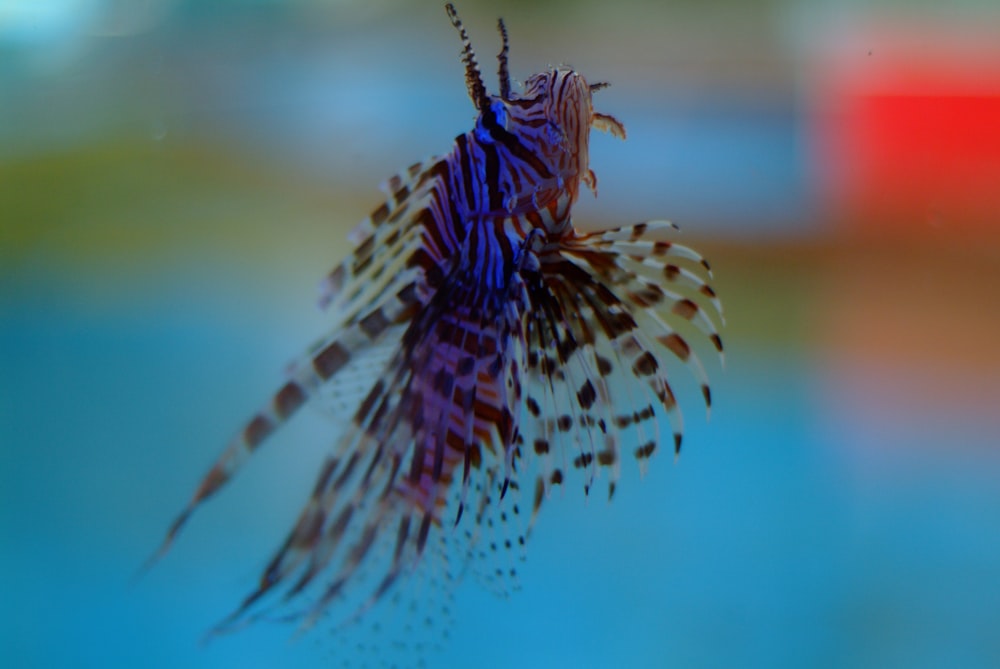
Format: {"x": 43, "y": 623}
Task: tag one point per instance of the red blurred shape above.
{"x": 916, "y": 146}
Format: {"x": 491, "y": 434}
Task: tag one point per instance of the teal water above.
{"x": 783, "y": 537}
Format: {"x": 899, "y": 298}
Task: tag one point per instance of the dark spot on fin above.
{"x": 645, "y": 450}
{"x": 379, "y": 215}
{"x": 539, "y": 494}
{"x": 288, "y": 399}
{"x": 330, "y": 360}
{"x": 257, "y": 430}
{"x": 685, "y": 308}
{"x": 374, "y": 324}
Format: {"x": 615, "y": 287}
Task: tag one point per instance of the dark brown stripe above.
{"x": 506, "y": 427}
{"x": 336, "y": 277}
{"x": 523, "y": 153}
{"x": 455, "y": 441}
{"x": 492, "y": 177}
{"x": 373, "y": 396}
{"x": 645, "y": 450}
{"x": 324, "y": 478}
{"x": 408, "y": 294}
{"x": 548, "y": 365}
{"x": 603, "y": 365}
{"x": 422, "y": 259}
{"x": 214, "y": 480}
{"x": 372, "y": 464}
{"x": 288, "y": 399}
{"x": 475, "y": 455}
{"x": 666, "y": 397}
{"x": 586, "y": 395}
{"x": 379, "y": 215}
{"x": 465, "y": 166}
{"x": 645, "y": 364}
{"x": 340, "y": 524}
{"x": 346, "y": 473}
{"x": 622, "y": 322}
{"x": 676, "y": 344}
{"x": 330, "y": 360}
{"x": 308, "y": 528}
{"x": 374, "y": 324}
{"x": 257, "y": 430}
{"x": 417, "y": 462}
{"x": 535, "y": 219}
{"x": 639, "y": 299}
{"x": 365, "y": 248}
{"x": 401, "y": 534}
{"x": 486, "y": 412}
{"x": 363, "y": 262}
{"x": 685, "y": 309}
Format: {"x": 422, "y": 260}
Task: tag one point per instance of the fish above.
{"x": 485, "y": 351}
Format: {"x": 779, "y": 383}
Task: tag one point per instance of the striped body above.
{"x": 509, "y": 349}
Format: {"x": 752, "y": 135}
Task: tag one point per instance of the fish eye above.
{"x": 492, "y": 121}
{"x": 499, "y": 112}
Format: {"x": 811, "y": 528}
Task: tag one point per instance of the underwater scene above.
{"x": 179, "y": 178}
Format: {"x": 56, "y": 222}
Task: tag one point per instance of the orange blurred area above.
{"x": 907, "y": 335}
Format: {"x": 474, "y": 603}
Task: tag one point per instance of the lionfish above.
{"x": 508, "y": 347}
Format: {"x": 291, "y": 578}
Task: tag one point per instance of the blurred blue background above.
{"x": 176, "y": 176}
